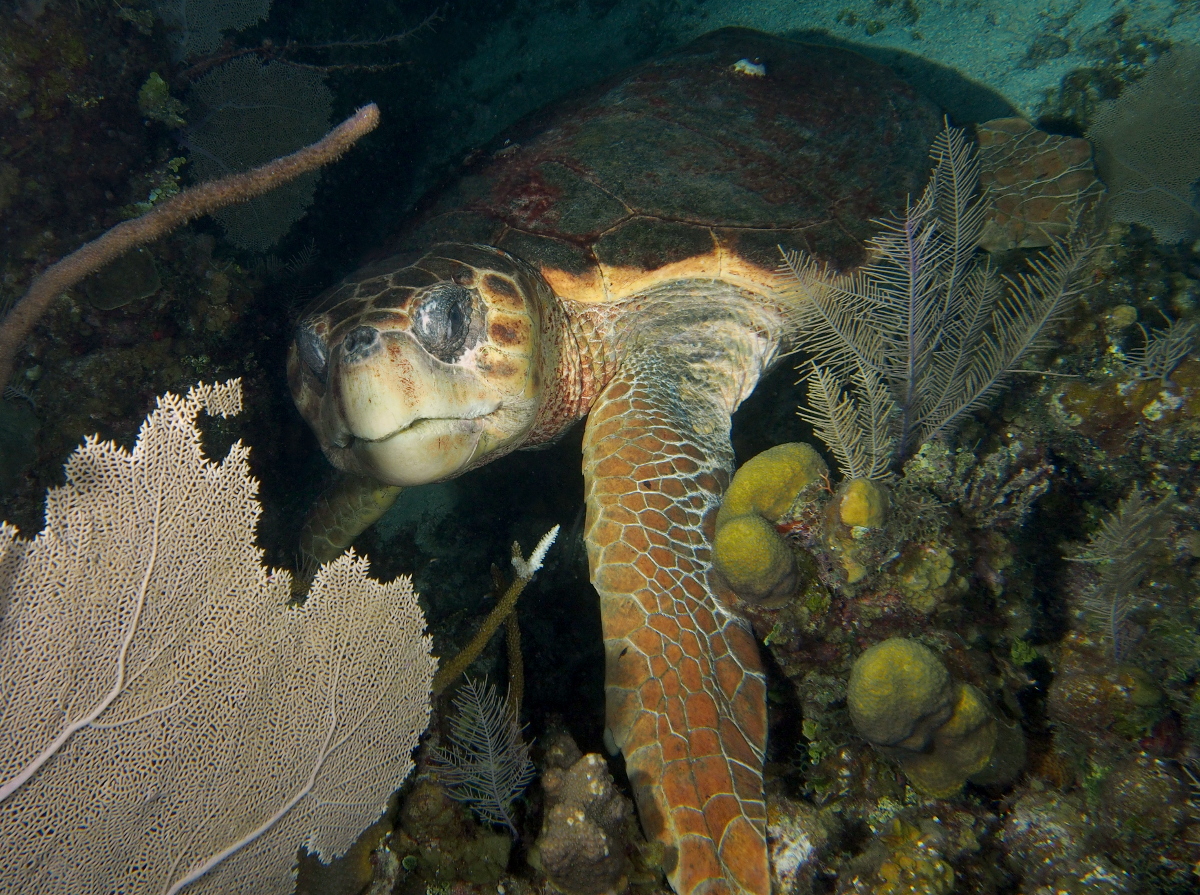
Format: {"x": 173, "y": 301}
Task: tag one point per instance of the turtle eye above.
{"x": 312, "y": 351}
{"x": 442, "y": 321}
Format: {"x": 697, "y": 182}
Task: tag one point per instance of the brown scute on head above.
{"x": 371, "y": 286}
{"x": 385, "y": 321}
{"x": 345, "y": 310}
{"x": 500, "y": 367}
{"x": 508, "y": 298}
{"x": 501, "y": 286}
{"x": 446, "y": 269}
{"x": 413, "y": 278}
{"x": 506, "y": 332}
{"x": 467, "y": 259}
{"x": 330, "y": 299}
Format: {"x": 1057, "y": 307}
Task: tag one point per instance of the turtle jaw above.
{"x": 428, "y": 450}
{"x": 433, "y": 449}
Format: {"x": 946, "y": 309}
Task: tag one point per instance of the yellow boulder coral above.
{"x": 854, "y": 531}
{"x": 941, "y": 733}
{"x": 768, "y": 483}
{"x": 755, "y": 561}
{"x": 962, "y": 747}
{"x": 900, "y": 693}
{"x": 862, "y": 504}
{"x": 747, "y": 551}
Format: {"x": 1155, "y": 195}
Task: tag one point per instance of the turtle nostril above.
{"x": 360, "y": 343}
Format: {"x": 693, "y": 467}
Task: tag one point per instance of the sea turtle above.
{"x": 615, "y": 258}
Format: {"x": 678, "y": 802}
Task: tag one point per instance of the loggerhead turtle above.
{"x": 615, "y": 259}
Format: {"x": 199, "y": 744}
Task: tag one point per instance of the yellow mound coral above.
{"x": 755, "y": 561}
{"x": 900, "y": 693}
{"x": 854, "y": 527}
{"x": 941, "y": 732}
{"x": 768, "y": 483}
{"x": 862, "y": 504}
{"x": 747, "y": 551}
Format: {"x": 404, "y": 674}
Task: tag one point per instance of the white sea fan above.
{"x": 164, "y": 712}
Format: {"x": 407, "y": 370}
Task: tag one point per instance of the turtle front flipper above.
{"x": 346, "y": 509}
{"x": 685, "y": 690}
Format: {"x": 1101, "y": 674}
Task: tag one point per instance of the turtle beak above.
{"x": 393, "y": 412}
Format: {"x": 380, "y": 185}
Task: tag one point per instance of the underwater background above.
{"x": 1050, "y": 553}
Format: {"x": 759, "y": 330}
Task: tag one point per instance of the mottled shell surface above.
{"x": 690, "y": 166}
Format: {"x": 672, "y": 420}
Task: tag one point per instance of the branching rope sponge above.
{"x": 162, "y": 219}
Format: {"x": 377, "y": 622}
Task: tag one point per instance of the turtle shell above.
{"x": 695, "y": 165}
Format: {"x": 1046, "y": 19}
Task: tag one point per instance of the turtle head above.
{"x": 417, "y": 374}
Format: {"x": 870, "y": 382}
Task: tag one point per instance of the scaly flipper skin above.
{"x": 685, "y": 689}
{"x": 344, "y": 511}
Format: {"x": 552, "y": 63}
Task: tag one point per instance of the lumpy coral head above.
{"x": 941, "y": 732}
{"x": 900, "y": 693}
{"x": 862, "y": 504}
{"x": 767, "y": 484}
{"x": 755, "y": 561}
{"x": 962, "y": 747}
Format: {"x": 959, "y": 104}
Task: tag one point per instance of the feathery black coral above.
{"x": 925, "y": 331}
{"x": 487, "y": 764}
{"x": 1162, "y": 350}
{"x": 1120, "y": 554}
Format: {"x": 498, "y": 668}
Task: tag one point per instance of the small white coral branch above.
{"x": 527, "y": 569}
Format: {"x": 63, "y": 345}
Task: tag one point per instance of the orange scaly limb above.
{"x": 685, "y": 689}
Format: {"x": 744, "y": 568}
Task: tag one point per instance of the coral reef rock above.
{"x": 582, "y": 848}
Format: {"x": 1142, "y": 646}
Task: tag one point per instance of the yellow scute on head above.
{"x": 587, "y": 287}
